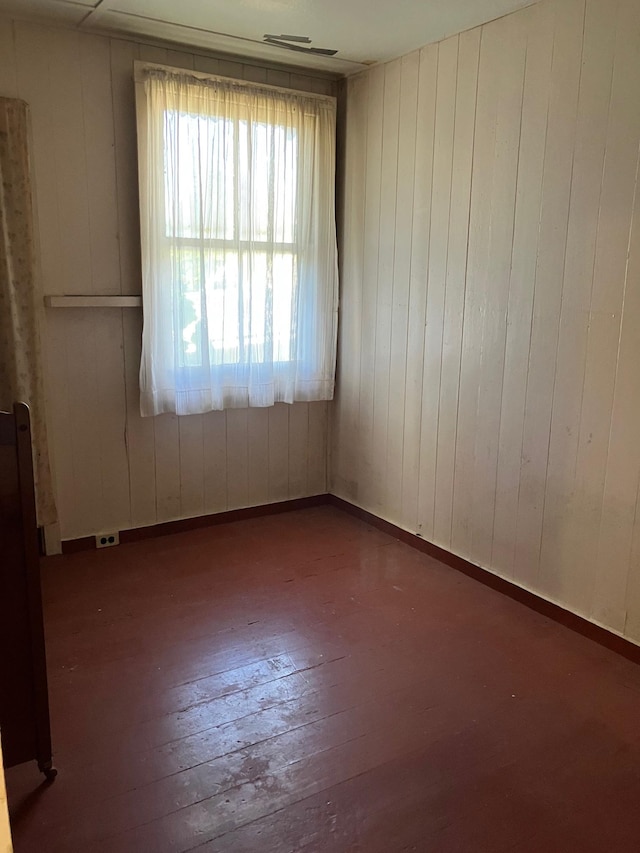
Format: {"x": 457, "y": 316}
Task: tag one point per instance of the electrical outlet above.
{"x": 106, "y": 540}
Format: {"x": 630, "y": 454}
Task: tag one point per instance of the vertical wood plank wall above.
{"x": 489, "y": 374}
{"x": 113, "y": 469}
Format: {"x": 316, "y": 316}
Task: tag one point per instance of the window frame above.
{"x": 293, "y": 249}
{"x": 243, "y": 249}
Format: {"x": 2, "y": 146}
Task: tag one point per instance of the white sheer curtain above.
{"x": 240, "y": 282}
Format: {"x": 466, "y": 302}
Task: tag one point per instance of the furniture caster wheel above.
{"x": 50, "y": 773}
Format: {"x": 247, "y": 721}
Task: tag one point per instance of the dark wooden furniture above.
{"x": 24, "y": 702}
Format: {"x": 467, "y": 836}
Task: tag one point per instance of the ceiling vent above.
{"x": 289, "y": 42}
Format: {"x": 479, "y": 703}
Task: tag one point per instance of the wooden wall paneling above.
{"x": 308, "y": 83}
{"x": 83, "y": 414}
{"x": 546, "y": 468}
{"x": 386, "y": 242}
{"x": 455, "y": 286}
{"x": 238, "y": 457}
{"x": 632, "y": 607}
{"x": 258, "y": 450}
{"x": 420, "y": 228}
{"x": 323, "y": 85}
{"x": 599, "y": 431}
{"x": 535, "y": 106}
{"x": 436, "y": 277}
{"x": 277, "y": 77}
{"x": 604, "y": 323}
{"x": 153, "y": 53}
{"x": 317, "y": 449}
{"x": 180, "y": 59}
{"x": 609, "y": 604}
{"x": 8, "y": 69}
{"x": 278, "y": 452}
{"x": 366, "y": 458}
{"x": 214, "y": 437}
{"x": 298, "y": 443}
{"x": 139, "y": 432}
{"x": 409, "y": 77}
{"x": 110, "y": 420}
{"x": 509, "y": 33}
{"x": 99, "y": 144}
{"x": 54, "y": 351}
{"x": 230, "y": 68}
{"x": 123, "y": 55}
{"x": 556, "y": 187}
{"x": 191, "y": 438}
{"x": 345, "y": 422}
{"x": 129, "y": 470}
{"x": 67, "y": 146}
{"x": 208, "y": 64}
{"x": 475, "y": 303}
{"x": 344, "y": 443}
{"x": 591, "y": 463}
{"x": 102, "y": 200}
{"x": 557, "y": 569}
{"x": 166, "y": 429}
{"x": 255, "y": 73}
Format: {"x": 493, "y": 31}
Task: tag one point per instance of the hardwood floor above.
{"x": 303, "y": 682}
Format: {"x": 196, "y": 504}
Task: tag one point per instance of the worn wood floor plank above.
{"x": 304, "y": 682}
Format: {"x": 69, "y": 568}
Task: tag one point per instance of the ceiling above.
{"x": 362, "y": 31}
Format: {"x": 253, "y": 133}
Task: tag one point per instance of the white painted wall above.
{"x": 113, "y": 469}
{"x": 489, "y": 375}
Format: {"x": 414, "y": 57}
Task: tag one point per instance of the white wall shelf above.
{"x": 93, "y": 301}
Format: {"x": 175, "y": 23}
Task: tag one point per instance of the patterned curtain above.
{"x": 20, "y": 302}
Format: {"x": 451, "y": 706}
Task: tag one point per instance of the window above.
{"x": 238, "y": 243}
